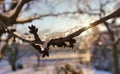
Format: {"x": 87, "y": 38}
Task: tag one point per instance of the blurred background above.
{"x": 92, "y": 52}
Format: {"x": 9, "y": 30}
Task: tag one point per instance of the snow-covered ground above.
{"x": 48, "y": 65}
{"x": 47, "y": 69}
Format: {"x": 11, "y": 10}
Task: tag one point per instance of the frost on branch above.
{"x": 43, "y": 51}
{"x": 43, "y": 47}
{"x": 38, "y": 46}
{"x": 61, "y": 42}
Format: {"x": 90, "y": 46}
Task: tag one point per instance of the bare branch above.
{"x": 10, "y": 17}
{"x": 24, "y": 40}
{"x": 45, "y": 15}
{"x": 62, "y": 40}
{"x": 34, "y": 30}
{"x": 18, "y": 8}
{"x": 30, "y": 19}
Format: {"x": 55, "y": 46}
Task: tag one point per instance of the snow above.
{"x": 24, "y": 71}
{"x": 94, "y": 71}
{"x": 48, "y": 69}
{"x": 47, "y": 65}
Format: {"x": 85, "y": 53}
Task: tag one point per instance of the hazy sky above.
{"x": 62, "y": 23}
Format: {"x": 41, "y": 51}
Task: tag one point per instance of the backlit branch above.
{"x": 61, "y": 41}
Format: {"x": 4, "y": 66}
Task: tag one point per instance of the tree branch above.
{"x": 30, "y": 19}
{"x": 62, "y": 40}
{"x": 18, "y": 8}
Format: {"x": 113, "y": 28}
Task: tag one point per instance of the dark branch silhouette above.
{"x": 60, "y": 42}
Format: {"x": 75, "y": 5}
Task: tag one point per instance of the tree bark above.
{"x": 115, "y": 49}
{"x": 13, "y": 66}
{"x": 115, "y": 59}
